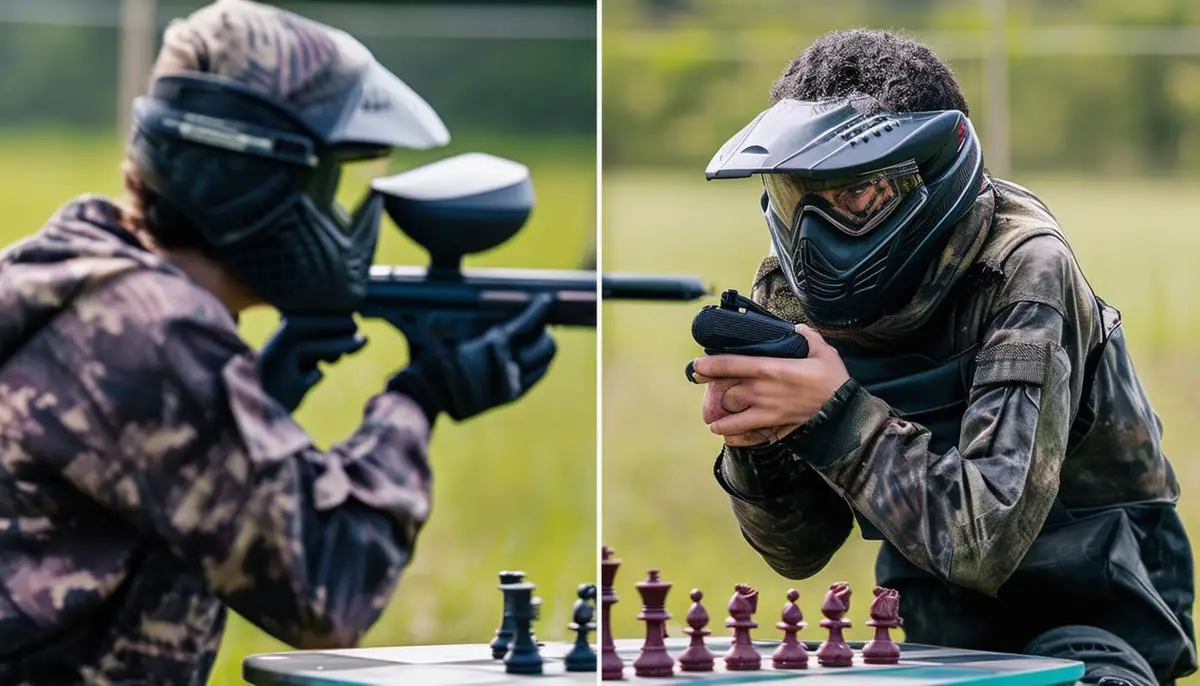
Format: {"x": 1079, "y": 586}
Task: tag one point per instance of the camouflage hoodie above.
{"x": 147, "y": 481}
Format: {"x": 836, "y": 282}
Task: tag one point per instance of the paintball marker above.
{"x": 738, "y": 326}
{"x": 467, "y": 204}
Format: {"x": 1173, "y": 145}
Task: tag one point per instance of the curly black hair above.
{"x": 899, "y": 73}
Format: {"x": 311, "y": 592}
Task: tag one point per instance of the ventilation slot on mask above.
{"x": 870, "y": 275}
{"x": 820, "y": 278}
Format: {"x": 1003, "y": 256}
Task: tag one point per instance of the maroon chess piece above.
{"x": 697, "y": 657}
{"x": 791, "y": 653}
{"x": 834, "y": 652}
{"x": 612, "y": 668}
{"x": 742, "y": 655}
{"x": 654, "y": 660}
{"x": 885, "y": 615}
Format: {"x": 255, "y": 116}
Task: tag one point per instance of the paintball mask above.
{"x": 858, "y": 205}
{"x": 256, "y": 175}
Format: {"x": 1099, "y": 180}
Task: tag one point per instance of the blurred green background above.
{"x": 514, "y": 488}
{"x": 1094, "y": 105}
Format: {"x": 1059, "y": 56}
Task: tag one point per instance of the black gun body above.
{"x": 738, "y": 326}
{"x": 500, "y": 293}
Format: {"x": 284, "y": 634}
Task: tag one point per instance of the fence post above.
{"x": 997, "y": 147}
{"x": 137, "y": 34}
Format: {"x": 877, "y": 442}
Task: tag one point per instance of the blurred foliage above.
{"x": 682, "y": 76}
{"x": 62, "y": 74}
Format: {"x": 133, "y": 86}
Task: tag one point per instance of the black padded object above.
{"x": 740, "y": 327}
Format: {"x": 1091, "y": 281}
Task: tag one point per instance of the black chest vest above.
{"x": 926, "y": 391}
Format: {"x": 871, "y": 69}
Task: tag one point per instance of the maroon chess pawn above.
{"x": 697, "y": 657}
{"x": 612, "y": 668}
{"x": 885, "y": 615}
{"x": 834, "y": 652}
{"x": 654, "y": 660}
{"x": 791, "y": 653}
{"x": 742, "y": 655}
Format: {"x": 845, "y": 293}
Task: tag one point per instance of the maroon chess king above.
{"x": 654, "y": 660}
{"x": 611, "y": 666}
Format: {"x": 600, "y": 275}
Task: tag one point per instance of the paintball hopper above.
{"x": 738, "y": 326}
{"x": 465, "y": 204}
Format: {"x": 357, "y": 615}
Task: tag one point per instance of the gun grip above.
{"x": 724, "y": 331}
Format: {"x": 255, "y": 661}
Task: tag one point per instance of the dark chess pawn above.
{"x": 834, "y": 652}
{"x": 654, "y": 660}
{"x": 505, "y": 633}
{"x": 523, "y": 656}
{"x": 697, "y": 657}
{"x": 742, "y": 655}
{"x": 791, "y": 653}
{"x": 885, "y": 615}
{"x": 582, "y": 658}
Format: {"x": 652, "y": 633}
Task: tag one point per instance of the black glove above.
{"x": 467, "y": 377}
{"x": 288, "y": 361}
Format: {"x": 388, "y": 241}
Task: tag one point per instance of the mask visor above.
{"x": 855, "y": 206}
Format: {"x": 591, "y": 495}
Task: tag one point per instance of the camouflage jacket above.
{"x": 967, "y": 514}
{"x": 147, "y": 482}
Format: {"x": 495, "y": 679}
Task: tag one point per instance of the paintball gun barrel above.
{"x": 503, "y": 292}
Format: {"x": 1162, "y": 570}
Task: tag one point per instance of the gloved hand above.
{"x": 288, "y": 361}
{"x": 467, "y": 377}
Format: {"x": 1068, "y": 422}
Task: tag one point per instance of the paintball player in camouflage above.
{"x": 967, "y": 398}
{"x": 148, "y": 478}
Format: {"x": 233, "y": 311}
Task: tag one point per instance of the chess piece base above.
{"x": 790, "y": 656}
{"x": 654, "y": 662}
{"x": 881, "y": 653}
{"x": 523, "y": 663}
{"x": 834, "y": 655}
{"x": 696, "y": 659}
{"x": 612, "y": 667}
{"x": 581, "y": 659}
{"x": 743, "y": 659}
{"x": 743, "y": 666}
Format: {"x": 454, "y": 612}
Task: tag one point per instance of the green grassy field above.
{"x": 1137, "y": 241}
{"x": 515, "y": 488}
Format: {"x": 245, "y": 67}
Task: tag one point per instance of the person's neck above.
{"x": 213, "y": 278}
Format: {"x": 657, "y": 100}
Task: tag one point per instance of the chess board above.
{"x": 441, "y": 665}
{"x": 919, "y": 665}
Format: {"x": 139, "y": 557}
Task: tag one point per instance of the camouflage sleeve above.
{"x": 785, "y": 510}
{"x": 306, "y": 544}
{"x": 970, "y": 515}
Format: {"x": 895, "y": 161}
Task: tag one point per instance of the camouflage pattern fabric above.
{"x": 278, "y": 53}
{"x": 969, "y": 514}
{"x": 147, "y": 482}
